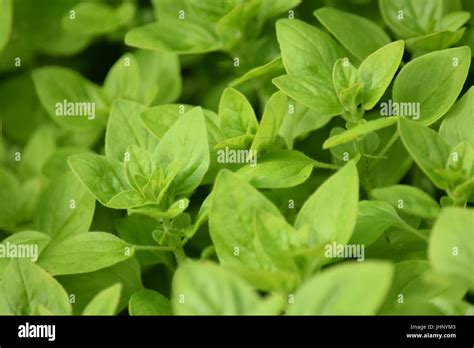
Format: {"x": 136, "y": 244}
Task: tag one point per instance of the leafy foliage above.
{"x": 229, "y": 157}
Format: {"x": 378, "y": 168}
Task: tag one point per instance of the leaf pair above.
{"x": 423, "y": 23}
{"x": 239, "y": 124}
{"x": 17, "y": 200}
{"x": 341, "y": 290}
{"x": 189, "y": 27}
{"x": 174, "y": 166}
{"x": 29, "y": 290}
{"x": 417, "y": 289}
{"x": 447, "y": 167}
{"x": 251, "y": 237}
{"x": 336, "y": 83}
{"x": 432, "y": 82}
{"x": 76, "y": 103}
{"x": 451, "y": 249}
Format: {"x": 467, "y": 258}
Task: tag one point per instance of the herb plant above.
{"x": 236, "y": 157}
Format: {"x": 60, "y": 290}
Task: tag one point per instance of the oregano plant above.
{"x": 231, "y": 157}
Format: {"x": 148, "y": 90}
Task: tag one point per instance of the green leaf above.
{"x": 160, "y": 77}
{"x": 186, "y": 143}
{"x": 279, "y": 6}
{"x": 136, "y": 229}
{"x": 390, "y": 170}
{"x": 149, "y": 302}
{"x": 236, "y": 114}
{"x": 126, "y": 199}
{"x": 160, "y": 118}
{"x": 208, "y": 289}
{"x": 451, "y": 249}
{"x": 273, "y": 236}
{"x": 17, "y": 201}
{"x": 123, "y": 79}
{"x": 461, "y": 160}
{"x": 22, "y": 112}
{"x": 407, "y": 18}
{"x": 426, "y": 147}
{"x": 415, "y": 308}
{"x": 27, "y": 286}
{"x": 309, "y": 55}
{"x": 274, "y": 67}
{"x": 343, "y": 289}
{"x": 454, "y": 20}
{"x": 360, "y": 130}
{"x": 378, "y": 70}
{"x": 125, "y": 128}
{"x": 139, "y": 167}
{"x": 173, "y": 35}
{"x": 271, "y": 120}
{"x": 56, "y": 164}
{"x": 298, "y": 121}
{"x": 6, "y": 19}
{"x": 373, "y": 219}
{"x": 359, "y": 35}
{"x": 105, "y": 302}
{"x": 103, "y": 177}
{"x": 433, "y": 80}
{"x": 436, "y": 41}
{"x": 4, "y": 307}
{"x": 158, "y": 213}
{"x": 415, "y": 281}
{"x": 344, "y": 75}
{"x": 39, "y": 147}
{"x": 408, "y": 199}
{"x": 86, "y": 252}
{"x": 278, "y": 169}
{"x": 330, "y": 214}
{"x": 351, "y": 98}
{"x": 42, "y": 30}
{"x": 66, "y": 208}
{"x": 456, "y": 125}
{"x": 306, "y": 50}
{"x": 205, "y": 12}
{"x": 92, "y": 19}
{"x": 236, "y": 239}
{"x": 315, "y": 93}
{"x": 70, "y": 99}
{"x": 87, "y": 285}
{"x": 240, "y": 24}
{"x": 237, "y": 143}
{"x": 31, "y": 239}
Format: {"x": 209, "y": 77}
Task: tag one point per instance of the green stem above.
{"x": 152, "y": 248}
{"x": 464, "y": 187}
{"x": 387, "y": 147}
{"x": 180, "y": 255}
{"x": 416, "y": 232}
{"x": 363, "y": 162}
{"x": 317, "y": 164}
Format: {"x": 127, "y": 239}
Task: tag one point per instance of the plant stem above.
{"x": 464, "y": 187}
{"x": 152, "y": 248}
{"x": 416, "y": 232}
{"x": 180, "y": 255}
{"x": 317, "y": 164}
{"x": 386, "y": 148}
{"x": 365, "y": 182}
